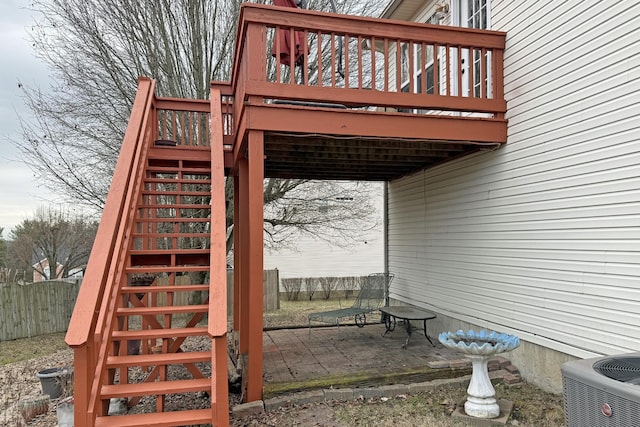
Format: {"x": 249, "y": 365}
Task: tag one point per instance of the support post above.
{"x": 242, "y": 258}
{"x": 237, "y": 206}
{"x": 255, "y": 267}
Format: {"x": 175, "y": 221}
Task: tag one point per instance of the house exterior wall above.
{"x": 313, "y": 257}
{"x": 44, "y": 266}
{"x": 540, "y": 238}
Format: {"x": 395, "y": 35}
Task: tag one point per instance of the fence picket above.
{"x": 45, "y": 307}
{"x": 36, "y": 308}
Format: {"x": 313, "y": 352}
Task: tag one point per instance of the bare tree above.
{"x": 335, "y": 212}
{"x": 312, "y": 286}
{"x": 96, "y": 49}
{"x": 53, "y": 243}
{"x": 3, "y": 249}
{"x": 328, "y": 285}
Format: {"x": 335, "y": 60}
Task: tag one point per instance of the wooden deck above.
{"x": 364, "y": 113}
{"x": 397, "y": 97}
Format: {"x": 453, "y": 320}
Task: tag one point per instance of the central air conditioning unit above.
{"x": 603, "y": 391}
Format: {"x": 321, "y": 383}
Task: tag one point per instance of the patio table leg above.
{"x": 409, "y": 331}
{"x": 425, "y": 332}
{"x": 390, "y": 324}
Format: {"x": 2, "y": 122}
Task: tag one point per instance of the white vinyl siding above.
{"x": 542, "y": 237}
{"x": 317, "y": 258}
{"x": 313, "y": 257}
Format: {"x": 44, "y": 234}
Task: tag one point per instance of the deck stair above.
{"x": 168, "y": 263}
{"x": 154, "y": 342}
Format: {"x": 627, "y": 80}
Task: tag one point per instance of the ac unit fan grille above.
{"x": 624, "y": 369}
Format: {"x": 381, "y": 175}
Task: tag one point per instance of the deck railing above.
{"x": 183, "y": 122}
{"x": 105, "y": 269}
{"x": 186, "y": 122}
{"x": 367, "y": 62}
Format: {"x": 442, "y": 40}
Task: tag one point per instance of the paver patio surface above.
{"x": 299, "y": 355}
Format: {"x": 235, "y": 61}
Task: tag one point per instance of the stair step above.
{"x": 170, "y": 251}
{"x": 158, "y": 419}
{"x": 197, "y": 153}
{"x": 172, "y": 220}
{"x": 154, "y": 388}
{"x": 176, "y": 288}
{"x": 160, "y": 180}
{"x": 153, "y": 258}
{"x": 160, "y": 333}
{"x": 158, "y": 359}
{"x": 170, "y": 309}
{"x": 167, "y": 269}
{"x": 171, "y": 235}
{"x": 176, "y": 193}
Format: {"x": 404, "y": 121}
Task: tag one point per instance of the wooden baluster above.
{"x": 277, "y": 51}
{"x": 320, "y": 82}
{"x": 398, "y": 66}
{"x": 448, "y": 70}
{"x": 386, "y": 64}
{"x": 345, "y": 47}
{"x": 292, "y": 56}
{"x": 333, "y": 60}
{"x": 411, "y": 68}
{"x": 436, "y": 69}
{"x": 373, "y": 63}
{"x": 360, "y": 72}
{"x": 305, "y": 66}
{"x": 423, "y": 65}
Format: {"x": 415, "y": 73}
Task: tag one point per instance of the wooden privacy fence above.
{"x": 36, "y": 308}
{"x": 271, "y": 291}
{"x": 46, "y": 307}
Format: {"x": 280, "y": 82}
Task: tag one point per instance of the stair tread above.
{"x": 160, "y": 333}
{"x": 169, "y": 309}
{"x": 170, "y": 251}
{"x": 158, "y": 359}
{"x": 155, "y": 388}
{"x": 157, "y": 419}
{"x": 167, "y": 269}
{"x": 164, "y": 288}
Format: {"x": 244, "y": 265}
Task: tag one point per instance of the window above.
{"x": 475, "y": 14}
{"x": 429, "y": 79}
{"x": 418, "y": 67}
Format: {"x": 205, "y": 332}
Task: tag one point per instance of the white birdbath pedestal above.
{"x": 480, "y": 347}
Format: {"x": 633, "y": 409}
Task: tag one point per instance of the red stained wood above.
{"x": 374, "y": 130}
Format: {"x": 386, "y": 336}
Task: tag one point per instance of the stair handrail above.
{"x": 218, "y": 269}
{"x": 102, "y": 276}
{"x": 117, "y": 276}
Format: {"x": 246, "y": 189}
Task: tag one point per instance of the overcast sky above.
{"x": 19, "y": 193}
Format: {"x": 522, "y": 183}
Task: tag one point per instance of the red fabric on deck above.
{"x": 285, "y": 40}
{"x": 286, "y": 3}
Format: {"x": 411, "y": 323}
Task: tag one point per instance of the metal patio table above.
{"x": 406, "y": 313}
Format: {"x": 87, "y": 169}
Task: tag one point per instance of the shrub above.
{"x": 328, "y": 285}
{"x": 292, "y": 288}
{"x": 311, "y": 286}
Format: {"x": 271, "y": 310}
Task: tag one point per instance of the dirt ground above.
{"x": 21, "y": 359}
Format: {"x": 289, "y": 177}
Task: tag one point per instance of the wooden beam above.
{"x": 368, "y": 125}
{"x": 255, "y": 267}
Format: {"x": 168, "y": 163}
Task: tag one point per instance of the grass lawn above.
{"x": 532, "y": 406}
{"x": 295, "y": 313}
{"x": 31, "y": 348}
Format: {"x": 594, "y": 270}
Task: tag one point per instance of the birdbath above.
{"x": 480, "y": 347}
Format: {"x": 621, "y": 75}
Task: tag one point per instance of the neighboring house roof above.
{"x": 45, "y": 263}
{"x": 402, "y": 9}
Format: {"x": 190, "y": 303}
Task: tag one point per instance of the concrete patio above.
{"x": 351, "y": 357}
